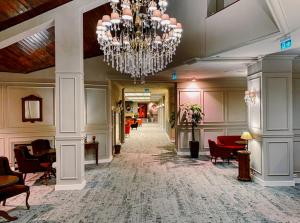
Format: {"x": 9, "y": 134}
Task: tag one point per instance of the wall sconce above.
{"x": 250, "y": 96}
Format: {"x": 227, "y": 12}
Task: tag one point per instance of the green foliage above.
{"x": 172, "y": 120}
{"x": 192, "y": 113}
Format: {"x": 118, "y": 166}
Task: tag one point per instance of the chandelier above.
{"x": 138, "y": 38}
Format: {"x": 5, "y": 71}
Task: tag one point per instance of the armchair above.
{"x": 41, "y": 148}
{"x": 11, "y": 190}
{"x": 218, "y": 152}
{"x": 28, "y": 163}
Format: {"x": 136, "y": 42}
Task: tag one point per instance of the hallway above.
{"x": 147, "y": 182}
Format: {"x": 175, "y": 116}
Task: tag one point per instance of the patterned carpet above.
{"x": 149, "y": 183}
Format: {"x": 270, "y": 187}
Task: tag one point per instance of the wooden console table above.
{"x": 244, "y": 165}
{"x": 94, "y": 146}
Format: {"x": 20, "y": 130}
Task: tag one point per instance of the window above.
{"x": 214, "y": 6}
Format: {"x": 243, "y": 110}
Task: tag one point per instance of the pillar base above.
{"x": 264, "y": 183}
{"x": 59, "y": 187}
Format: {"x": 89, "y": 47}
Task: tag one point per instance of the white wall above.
{"x": 296, "y": 115}
{"x": 240, "y": 24}
{"x": 271, "y": 121}
{"x": 41, "y": 83}
{"x": 224, "y": 107}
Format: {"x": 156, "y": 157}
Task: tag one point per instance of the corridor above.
{"x": 147, "y": 182}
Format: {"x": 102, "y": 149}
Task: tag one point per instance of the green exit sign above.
{"x": 286, "y": 43}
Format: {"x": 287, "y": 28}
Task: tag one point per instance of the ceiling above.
{"x": 37, "y": 52}
{"x": 30, "y": 54}
{"x": 13, "y": 12}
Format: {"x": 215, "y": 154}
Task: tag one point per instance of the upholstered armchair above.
{"x": 41, "y": 148}
{"x": 7, "y": 191}
{"x": 218, "y": 152}
{"x": 28, "y": 163}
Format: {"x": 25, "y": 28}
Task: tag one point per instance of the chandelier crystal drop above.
{"x": 138, "y": 38}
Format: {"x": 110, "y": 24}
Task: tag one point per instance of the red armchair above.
{"x": 7, "y": 191}
{"x": 127, "y": 129}
{"x": 218, "y": 152}
{"x": 229, "y": 142}
{"x": 28, "y": 163}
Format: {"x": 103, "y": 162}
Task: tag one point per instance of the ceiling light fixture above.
{"x": 138, "y": 38}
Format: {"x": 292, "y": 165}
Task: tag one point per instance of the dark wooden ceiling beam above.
{"x": 14, "y": 14}
{"x": 37, "y": 52}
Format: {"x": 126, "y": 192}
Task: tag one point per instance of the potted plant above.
{"x": 117, "y": 148}
{"x": 172, "y": 120}
{"x": 192, "y": 113}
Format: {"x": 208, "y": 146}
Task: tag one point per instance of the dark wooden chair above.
{"x": 13, "y": 189}
{"x": 42, "y": 149}
{"x": 218, "y": 152}
{"x": 135, "y": 125}
{"x": 28, "y": 163}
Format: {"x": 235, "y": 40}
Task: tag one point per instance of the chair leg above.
{"x": 4, "y": 202}
{"x": 228, "y": 160}
{"x": 24, "y": 178}
{"x": 27, "y": 197}
{"x": 5, "y": 215}
{"x": 215, "y": 160}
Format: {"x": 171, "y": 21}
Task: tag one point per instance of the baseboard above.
{"x": 273, "y": 183}
{"x": 99, "y": 161}
{"x": 297, "y": 180}
{"x": 59, "y": 187}
{"x": 202, "y": 153}
{"x": 183, "y": 153}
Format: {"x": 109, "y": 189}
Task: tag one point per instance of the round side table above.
{"x": 244, "y": 165}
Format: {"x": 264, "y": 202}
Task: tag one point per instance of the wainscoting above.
{"x": 225, "y": 114}
{"x": 13, "y": 131}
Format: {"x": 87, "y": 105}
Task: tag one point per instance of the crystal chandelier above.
{"x": 138, "y": 38}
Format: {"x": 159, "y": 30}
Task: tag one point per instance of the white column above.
{"x": 69, "y": 100}
{"x": 271, "y": 120}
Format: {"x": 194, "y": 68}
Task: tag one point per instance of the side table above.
{"x": 94, "y": 146}
{"x": 244, "y": 165}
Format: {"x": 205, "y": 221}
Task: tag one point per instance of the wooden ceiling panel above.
{"x": 13, "y": 12}
{"x": 30, "y": 54}
{"x": 38, "y": 51}
{"x": 90, "y": 19}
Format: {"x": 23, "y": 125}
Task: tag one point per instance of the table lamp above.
{"x": 246, "y": 136}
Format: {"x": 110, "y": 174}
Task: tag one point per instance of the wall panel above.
{"x": 96, "y": 106}
{"x": 296, "y": 103}
{"x": 213, "y": 104}
{"x": 67, "y": 105}
{"x": 278, "y": 158}
{"x": 68, "y": 152}
{"x": 212, "y": 134}
{"x": 2, "y": 103}
{"x": 189, "y": 96}
{"x": 277, "y": 101}
{"x": 296, "y": 156}
{"x": 237, "y": 112}
{"x": 224, "y": 108}
{"x": 255, "y": 147}
{"x": 185, "y": 135}
{"x": 14, "y": 105}
{"x": 2, "y": 146}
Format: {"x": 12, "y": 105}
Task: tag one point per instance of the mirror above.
{"x": 32, "y": 109}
